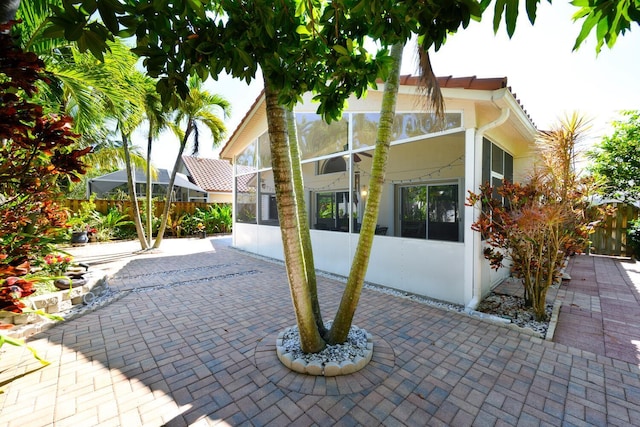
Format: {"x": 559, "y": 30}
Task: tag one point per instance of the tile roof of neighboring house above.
{"x": 210, "y": 174}
{"x": 450, "y": 82}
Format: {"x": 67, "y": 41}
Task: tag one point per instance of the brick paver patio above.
{"x": 191, "y": 343}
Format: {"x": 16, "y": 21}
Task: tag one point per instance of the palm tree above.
{"x": 157, "y": 121}
{"x": 81, "y": 86}
{"x": 196, "y": 109}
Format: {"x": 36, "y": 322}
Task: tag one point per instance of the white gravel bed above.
{"x": 355, "y": 346}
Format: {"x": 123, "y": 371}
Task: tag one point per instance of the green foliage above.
{"x": 633, "y": 237}
{"x": 108, "y": 225}
{"x": 609, "y": 18}
{"x": 616, "y": 159}
{"x": 215, "y": 219}
{"x": 36, "y": 157}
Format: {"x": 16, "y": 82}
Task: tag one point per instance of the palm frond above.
{"x": 429, "y": 84}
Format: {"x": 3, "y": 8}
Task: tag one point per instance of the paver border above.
{"x": 382, "y": 365}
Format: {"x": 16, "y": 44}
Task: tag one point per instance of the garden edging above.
{"x": 66, "y": 304}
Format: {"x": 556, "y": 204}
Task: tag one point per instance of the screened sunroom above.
{"x": 423, "y": 240}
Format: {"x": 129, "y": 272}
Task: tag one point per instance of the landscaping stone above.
{"x": 339, "y": 359}
{"x": 61, "y": 303}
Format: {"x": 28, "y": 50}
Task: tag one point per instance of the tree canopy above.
{"x": 616, "y": 159}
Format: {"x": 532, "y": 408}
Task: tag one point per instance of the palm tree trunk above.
{"x": 310, "y": 339}
{"x": 167, "y": 202}
{"x": 132, "y": 193}
{"x": 351, "y": 296}
{"x": 149, "y": 207}
{"x": 303, "y": 220}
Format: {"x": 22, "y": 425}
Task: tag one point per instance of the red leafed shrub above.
{"x": 527, "y": 225}
{"x": 37, "y": 153}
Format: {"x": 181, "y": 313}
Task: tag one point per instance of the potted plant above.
{"x": 201, "y": 231}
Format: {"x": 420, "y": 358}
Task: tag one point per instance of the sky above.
{"x": 548, "y": 78}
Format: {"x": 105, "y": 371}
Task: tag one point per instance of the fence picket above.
{"x": 610, "y": 238}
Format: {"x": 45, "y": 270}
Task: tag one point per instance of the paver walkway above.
{"x": 192, "y": 340}
{"x": 601, "y": 307}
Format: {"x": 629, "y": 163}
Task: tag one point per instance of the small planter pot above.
{"x": 79, "y": 238}
{"x": 202, "y": 234}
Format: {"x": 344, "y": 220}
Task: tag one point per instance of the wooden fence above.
{"x": 610, "y": 236}
{"x": 103, "y": 206}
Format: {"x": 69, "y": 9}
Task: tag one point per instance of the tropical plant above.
{"x": 615, "y": 161}
{"x": 108, "y": 225}
{"x": 537, "y": 224}
{"x": 214, "y": 219}
{"x": 525, "y": 226}
{"x": 633, "y": 237}
{"x": 36, "y": 156}
{"x": 197, "y": 109}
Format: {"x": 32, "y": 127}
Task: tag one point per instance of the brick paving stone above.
{"x": 150, "y": 359}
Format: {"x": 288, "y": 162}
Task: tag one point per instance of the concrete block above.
{"x": 314, "y": 368}
{"x": 347, "y": 367}
{"x": 287, "y": 360}
{"x": 331, "y": 369}
{"x": 298, "y": 365}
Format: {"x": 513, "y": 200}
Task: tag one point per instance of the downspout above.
{"x": 476, "y": 280}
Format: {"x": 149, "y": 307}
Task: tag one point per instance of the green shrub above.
{"x": 633, "y": 237}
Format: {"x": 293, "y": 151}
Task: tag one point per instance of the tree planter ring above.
{"x": 319, "y": 367}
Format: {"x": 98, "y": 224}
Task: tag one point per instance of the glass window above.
{"x": 430, "y": 211}
{"x": 332, "y": 211}
{"x": 497, "y": 165}
{"x": 264, "y": 151}
{"x": 317, "y": 138}
{"x": 332, "y": 165}
{"x": 268, "y": 207}
{"x": 406, "y": 125}
{"x": 248, "y": 156}
{"x": 246, "y": 198}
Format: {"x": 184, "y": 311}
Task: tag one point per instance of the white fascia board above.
{"x": 224, "y": 154}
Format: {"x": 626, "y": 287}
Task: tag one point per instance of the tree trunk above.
{"x": 303, "y": 219}
{"x": 167, "y": 202}
{"x": 132, "y": 193}
{"x": 351, "y": 296}
{"x": 310, "y": 339}
{"x": 149, "y": 206}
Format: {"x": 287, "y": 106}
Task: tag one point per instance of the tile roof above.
{"x": 213, "y": 175}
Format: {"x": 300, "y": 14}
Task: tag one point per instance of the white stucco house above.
{"x": 424, "y": 242}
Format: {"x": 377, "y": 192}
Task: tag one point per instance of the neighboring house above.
{"x": 425, "y": 243}
{"x": 114, "y": 183}
{"x": 213, "y": 175}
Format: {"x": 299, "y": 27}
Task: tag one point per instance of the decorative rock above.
{"x": 314, "y": 368}
{"x": 339, "y": 359}
{"x": 331, "y": 369}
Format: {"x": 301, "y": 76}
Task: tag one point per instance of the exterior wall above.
{"x": 417, "y": 266}
{"x": 220, "y": 197}
{"x": 451, "y": 271}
